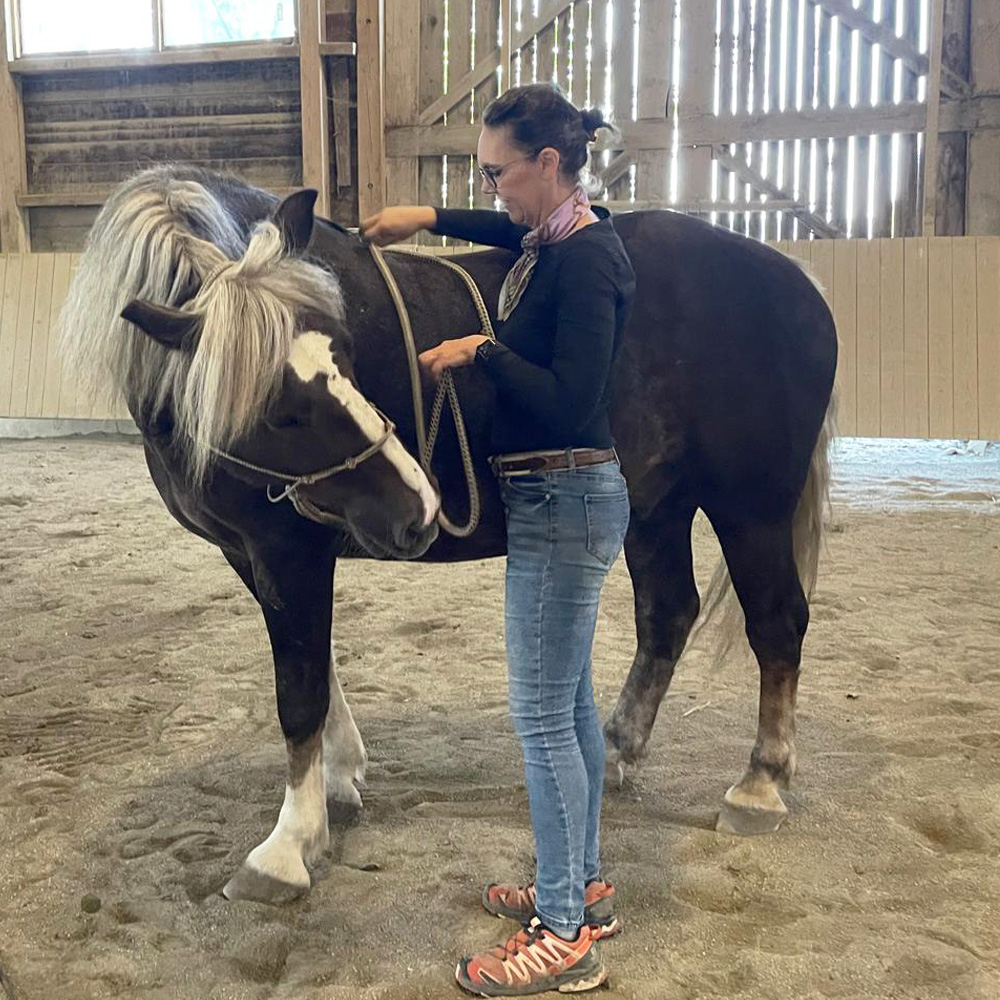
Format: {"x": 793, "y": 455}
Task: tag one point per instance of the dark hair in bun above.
{"x": 539, "y": 115}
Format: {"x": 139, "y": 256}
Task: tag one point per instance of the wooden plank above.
{"x": 14, "y": 232}
{"x": 907, "y": 220}
{"x": 581, "y": 26}
{"x": 656, "y": 47}
{"x": 21, "y": 360}
{"x": 966, "y": 351}
{"x": 892, "y": 339}
{"x": 371, "y": 108}
{"x": 916, "y": 400}
{"x": 431, "y": 85}
{"x": 69, "y": 386}
{"x": 40, "y": 336}
{"x": 882, "y": 206}
{"x": 988, "y": 311}
{"x": 459, "y": 61}
{"x": 933, "y": 118}
{"x": 8, "y": 326}
{"x": 845, "y": 315}
{"x": 824, "y": 268}
{"x": 52, "y": 385}
{"x": 3, "y": 279}
{"x": 841, "y": 145}
{"x": 545, "y": 61}
{"x": 623, "y": 42}
{"x": 696, "y": 99}
{"x": 339, "y": 89}
{"x": 402, "y": 39}
{"x": 869, "y": 422}
{"x": 941, "y": 337}
{"x": 864, "y": 145}
{"x": 727, "y": 62}
{"x": 488, "y": 13}
{"x": 241, "y": 52}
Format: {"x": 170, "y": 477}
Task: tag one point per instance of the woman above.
{"x": 562, "y": 310}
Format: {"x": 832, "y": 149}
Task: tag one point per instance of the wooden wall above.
{"x": 918, "y": 320}
{"x": 919, "y": 327}
{"x": 73, "y": 127}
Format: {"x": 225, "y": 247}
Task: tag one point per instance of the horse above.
{"x": 259, "y": 352}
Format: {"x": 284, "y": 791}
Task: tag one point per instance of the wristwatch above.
{"x": 485, "y": 351}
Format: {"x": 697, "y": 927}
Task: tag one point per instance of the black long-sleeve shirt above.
{"x": 552, "y": 363}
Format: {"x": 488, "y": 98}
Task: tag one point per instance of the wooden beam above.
{"x": 618, "y": 167}
{"x": 371, "y": 108}
{"x": 807, "y": 123}
{"x": 983, "y": 193}
{"x": 14, "y": 232}
{"x": 338, "y": 48}
{"x": 460, "y": 140}
{"x": 884, "y": 35}
{"x": 548, "y": 11}
{"x": 315, "y": 113}
{"x": 933, "y": 118}
{"x": 96, "y": 196}
{"x": 747, "y": 174}
{"x": 232, "y": 52}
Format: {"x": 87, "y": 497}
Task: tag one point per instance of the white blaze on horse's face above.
{"x": 311, "y": 355}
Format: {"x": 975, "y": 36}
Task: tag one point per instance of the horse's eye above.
{"x": 284, "y": 422}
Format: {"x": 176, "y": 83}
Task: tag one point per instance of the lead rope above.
{"x": 427, "y": 436}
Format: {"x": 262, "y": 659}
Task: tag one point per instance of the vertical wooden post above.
{"x": 402, "y": 87}
{"x": 656, "y": 48}
{"x": 697, "y": 93}
{"x": 983, "y": 201}
{"x": 14, "y": 231}
{"x": 507, "y": 14}
{"x": 371, "y": 108}
{"x": 315, "y": 115}
{"x": 933, "y": 118}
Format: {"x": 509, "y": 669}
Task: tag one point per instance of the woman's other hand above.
{"x": 397, "y": 223}
{"x": 450, "y": 354}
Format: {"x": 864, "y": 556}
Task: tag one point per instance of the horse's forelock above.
{"x": 158, "y": 236}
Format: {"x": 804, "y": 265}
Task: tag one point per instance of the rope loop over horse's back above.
{"x": 427, "y": 435}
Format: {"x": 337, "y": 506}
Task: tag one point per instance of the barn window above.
{"x": 51, "y": 26}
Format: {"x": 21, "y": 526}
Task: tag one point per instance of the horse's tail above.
{"x": 720, "y": 604}
{"x": 142, "y": 245}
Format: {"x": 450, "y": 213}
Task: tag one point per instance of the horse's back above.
{"x": 727, "y": 365}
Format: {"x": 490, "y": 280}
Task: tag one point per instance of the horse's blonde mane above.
{"x": 157, "y": 237}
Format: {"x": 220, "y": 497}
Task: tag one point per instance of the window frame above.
{"x": 158, "y": 52}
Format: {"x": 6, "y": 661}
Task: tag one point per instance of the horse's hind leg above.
{"x": 762, "y": 565}
{"x": 344, "y": 755}
{"x": 658, "y": 553}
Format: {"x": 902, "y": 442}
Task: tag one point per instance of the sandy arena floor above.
{"x": 140, "y": 759}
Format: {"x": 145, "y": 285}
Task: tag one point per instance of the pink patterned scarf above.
{"x": 555, "y": 228}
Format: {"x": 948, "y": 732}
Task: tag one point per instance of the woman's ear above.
{"x": 550, "y": 160}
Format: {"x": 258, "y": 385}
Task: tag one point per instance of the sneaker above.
{"x": 518, "y": 903}
{"x": 533, "y": 961}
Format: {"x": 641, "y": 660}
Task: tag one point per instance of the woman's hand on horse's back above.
{"x": 397, "y": 223}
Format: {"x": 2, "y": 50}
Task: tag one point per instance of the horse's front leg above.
{"x": 295, "y": 588}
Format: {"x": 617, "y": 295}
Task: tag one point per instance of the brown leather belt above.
{"x": 529, "y": 462}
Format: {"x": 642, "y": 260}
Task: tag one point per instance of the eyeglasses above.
{"x": 492, "y": 174}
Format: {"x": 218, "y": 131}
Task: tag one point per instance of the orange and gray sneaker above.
{"x": 518, "y": 903}
{"x": 533, "y": 961}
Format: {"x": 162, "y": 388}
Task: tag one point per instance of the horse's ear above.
{"x": 294, "y": 217}
{"x": 172, "y": 328}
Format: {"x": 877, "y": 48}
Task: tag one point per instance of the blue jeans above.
{"x": 564, "y": 531}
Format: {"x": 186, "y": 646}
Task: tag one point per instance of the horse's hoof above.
{"x": 748, "y": 816}
{"x": 343, "y": 802}
{"x": 614, "y": 772}
{"x": 260, "y": 888}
